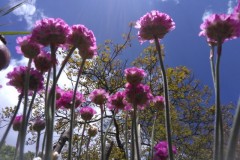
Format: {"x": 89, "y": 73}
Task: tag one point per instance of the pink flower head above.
{"x": 17, "y": 79}
{"x": 17, "y": 122}
{"x": 161, "y": 151}
{"x": 117, "y": 101}
{"x": 154, "y": 24}
{"x": 43, "y": 62}
{"x": 65, "y": 101}
{"x": 158, "y": 102}
{"x": 83, "y": 39}
{"x": 50, "y": 31}
{"x": 38, "y": 124}
{"x": 236, "y": 12}
{"x": 87, "y": 113}
{"x": 219, "y": 28}
{"x": 139, "y": 95}
{"x": 27, "y": 47}
{"x": 98, "y": 96}
{"x": 134, "y": 75}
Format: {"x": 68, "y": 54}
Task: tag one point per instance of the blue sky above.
{"x": 109, "y": 19}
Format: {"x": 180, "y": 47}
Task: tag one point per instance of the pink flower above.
{"x": 117, "y": 101}
{"x": 38, "y": 124}
{"x": 17, "y": 122}
{"x": 158, "y": 102}
{"x": 83, "y": 39}
{"x": 17, "y": 79}
{"x": 161, "y": 151}
{"x": 134, "y": 75}
{"x": 154, "y": 24}
{"x": 236, "y": 12}
{"x": 50, "y": 31}
{"x": 43, "y": 62}
{"x": 139, "y": 95}
{"x": 87, "y": 113}
{"x": 59, "y": 92}
{"x": 27, "y": 47}
{"x": 98, "y": 96}
{"x": 219, "y": 28}
{"x": 65, "y": 101}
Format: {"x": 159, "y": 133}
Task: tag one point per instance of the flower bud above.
{"x": 38, "y": 125}
{"x": 17, "y": 122}
{"x": 4, "y": 54}
{"x": 92, "y": 131}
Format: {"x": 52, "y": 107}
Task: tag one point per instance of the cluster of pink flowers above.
{"x": 134, "y": 75}
{"x": 83, "y": 39}
{"x": 27, "y": 47}
{"x": 17, "y": 122}
{"x": 38, "y": 124}
{"x": 139, "y": 95}
{"x": 154, "y": 25}
{"x": 87, "y": 113}
{"x": 50, "y": 31}
{"x": 64, "y": 100}
{"x": 161, "y": 151}
{"x": 17, "y": 79}
{"x": 118, "y": 101}
{"x": 43, "y": 62}
{"x": 219, "y": 28}
{"x": 99, "y": 96}
{"x": 158, "y": 102}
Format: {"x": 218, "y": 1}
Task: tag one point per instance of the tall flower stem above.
{"x": 51, "y": 109}
{"x": 102, "y": 143}
{"x": 88, "y": 142}
{"x": 126, "y": 135}
{"x": 132, "y": 139}
{"x": 37, "y": 144}
{"x": 81, "y": 141}
{"x": 105, "y": 135}
{"x": 31, "y": 104}
{"x": 24, "y": 120}
{"x": 231, "y": 149}
{"x": 135, "y": 118}
{"x": 11, "y": 122}
{"x": 152, "y": 135}
{"x": 218, "y": 145}
{"x": 167, "y": 106}
{"x": 73, "y": 110}
{"x": 212, "y": 63}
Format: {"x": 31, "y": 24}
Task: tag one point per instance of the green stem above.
{"x": 132, "y": 138}
{"x": 88, "y": 142}
{"x": 218, "y": 145}
{"x": 105, "y": 135}
{"x": 37, "y": 145}
{"x": 102, "y": 143}
{"x": 73, "y": 109}
{"x": 126, "y": 135}
{"x": 24, "y": 120}
{"x": 166, "y": 102}
{"x": 31, "y": 105}
{"x": 152, "y": 135}
{"x": 135, "y": 118}
{"x": 212, "y": 63}
{"x": 231, "y": 150}
{"x": 51, "y": 109}
{"x": 81, "y": 141}
{"x": 12, "y": 119}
